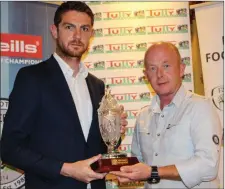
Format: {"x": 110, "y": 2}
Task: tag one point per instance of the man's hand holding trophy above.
{"x": 109, "y": 116}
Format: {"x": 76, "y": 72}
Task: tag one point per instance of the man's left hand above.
{"x": 137, "y": 172}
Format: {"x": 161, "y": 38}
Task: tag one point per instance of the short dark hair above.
{"x": 70, "y": 6}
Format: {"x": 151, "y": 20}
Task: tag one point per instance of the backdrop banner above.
{"x": 123, "y": 32}
{"x": 210, "y": 20}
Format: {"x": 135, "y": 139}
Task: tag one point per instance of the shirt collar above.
{"x": 177, "y": 100}
{"x": 179, "y": 97}
{"x": 66, "y": 68}
{"x": 155, "y": 104}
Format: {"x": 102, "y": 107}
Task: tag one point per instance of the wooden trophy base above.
{"x": 112, "y": 164}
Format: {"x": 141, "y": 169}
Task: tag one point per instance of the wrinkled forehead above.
{"x": 161, "y": 52}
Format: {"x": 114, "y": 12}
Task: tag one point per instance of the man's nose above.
{"x": 160, "y": 72}
{"x": 77, "y": 33}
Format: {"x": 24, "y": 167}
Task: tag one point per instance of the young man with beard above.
{"x": 178, "y": 136}
{"x": 51, "y": 127}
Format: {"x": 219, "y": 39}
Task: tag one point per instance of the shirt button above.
{"x": 156, "y": 154}
{"x": 162, "y": 115}
{"x": 158, "y": 134}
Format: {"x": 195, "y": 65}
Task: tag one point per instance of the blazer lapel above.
{"x": 92, "y": 92}
{"x": 94, "y": 128}
{"x": 62, "y": 90}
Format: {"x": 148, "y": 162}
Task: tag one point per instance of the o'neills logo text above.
{"x": 18, "y": 45}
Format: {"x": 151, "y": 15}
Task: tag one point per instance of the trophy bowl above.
{"x": 109, "y": 115}
{"x": 109, "y": 123}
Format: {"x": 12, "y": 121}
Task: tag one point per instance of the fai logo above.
{"x": 217, "y": 97}
{"x": 18, "y": 45}
{"x": 10, "y": 176}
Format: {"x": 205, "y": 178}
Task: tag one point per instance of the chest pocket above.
{"x": 177, "y": 138}
{"x": 145, "y": 137}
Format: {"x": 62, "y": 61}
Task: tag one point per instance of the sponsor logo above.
{"x": 98, "y": 16}
{"x": 10, "y": 176}
{"x": 126, "y": 80}
{"x": 114, "y": 64}
{"x": 217, "y": 97}
{"x": 140, "y": 30}
{"x": 166, "y": 13}
{"x": 141, "y": 46}
{"x": 139, "y": 14}
{"x": 100, "y": 65}
{"x": 123, "y": 80}
{"x": 186, "y": 60}
{"x": 124, "y": 64}
{"x": 187, "y": 77}
{"x": 181, "y": 12}
{"x": 146, "y": 96}
{"x": 140, "y": 63}
{"x": 142, "y": 14}
{"x": 143, "y": 80}
{"x": 118, "y": 31}
{"x": 125, "y": 47}
{"x": 120, "y": 47}
{"x": 183, "y": 45}
{"x": 117, "y": 15}
{"x": 132, "y": 97}
{"x": 182, "y": 28}
{"x": 132, "y": 114}
{"x": 131, "y": 47}
{"x": 127, "y": 31}
{"x": 18, "y": 45}
{"x": 96, "y": 49}
{"x": 98, "y": 32}
{"x": 162, "y": 29}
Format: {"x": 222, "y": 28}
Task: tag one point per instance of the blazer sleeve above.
{"x": 19, "y": 122}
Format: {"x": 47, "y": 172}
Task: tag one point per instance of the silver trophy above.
{"x": 109, "y": 114}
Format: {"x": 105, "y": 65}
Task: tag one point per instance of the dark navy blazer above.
{"x": 42, "y": 129}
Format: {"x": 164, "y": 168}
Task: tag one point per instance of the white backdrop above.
{"x": 210, "y": 20}
{"x": 123, "y": 32}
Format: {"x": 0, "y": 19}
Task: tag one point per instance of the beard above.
{"x": 75, "y": 49}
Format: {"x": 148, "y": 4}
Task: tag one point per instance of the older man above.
{"x": 177, "y": 137}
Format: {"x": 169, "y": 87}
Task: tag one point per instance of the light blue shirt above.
{"x": 185, "y": 134}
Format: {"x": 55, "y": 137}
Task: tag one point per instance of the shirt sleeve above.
{"x": 206, "y": 134}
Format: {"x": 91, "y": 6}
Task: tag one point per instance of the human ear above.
{"x": 182, "y": 68}
{"x": 54, "y": 31}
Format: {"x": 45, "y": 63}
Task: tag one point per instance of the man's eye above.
{"x": 86, "y": 29}
{"x": 153, "y": 69}
{"x": 166, "y": 66}
{"x": 69, "y": 27}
